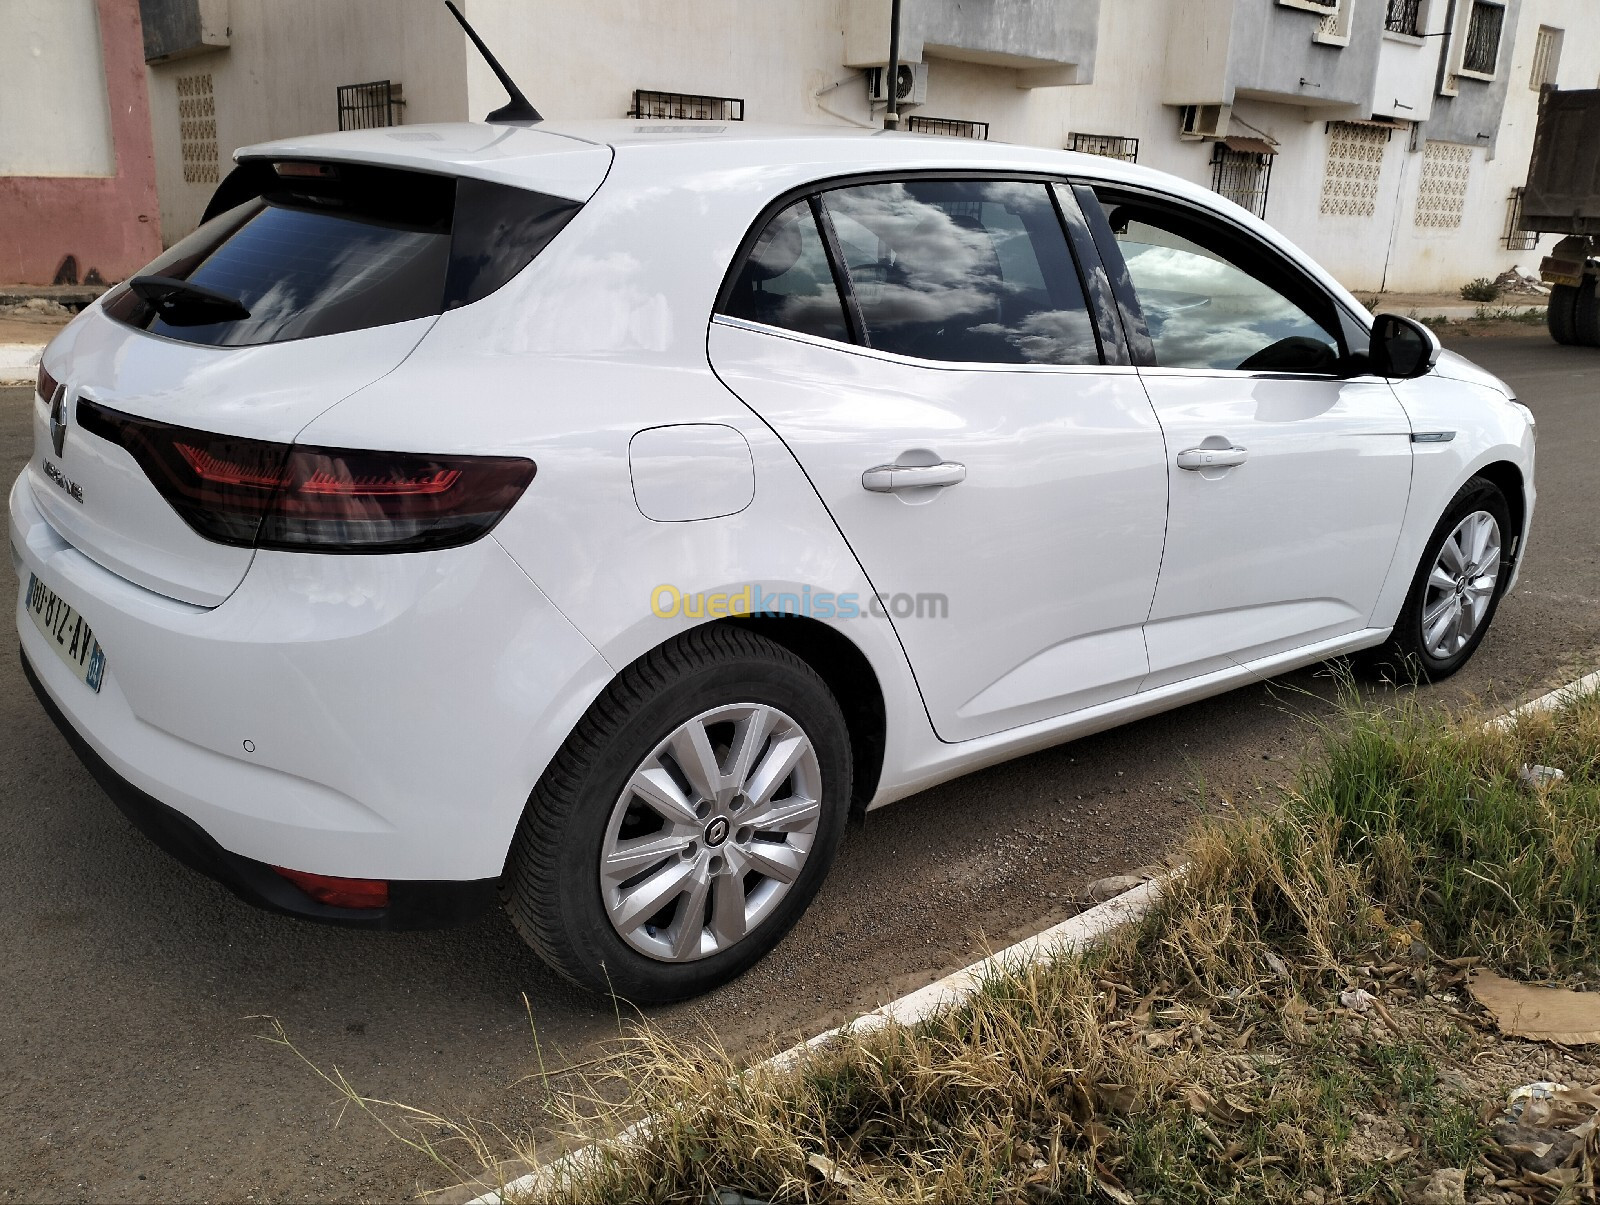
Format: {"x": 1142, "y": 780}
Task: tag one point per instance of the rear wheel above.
{"x": 1456, "y": 590}
{"x": 1559, "y": 316}
{"x": 687, "y": 822}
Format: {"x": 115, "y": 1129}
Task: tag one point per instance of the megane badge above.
{"x": 58, "y": 419}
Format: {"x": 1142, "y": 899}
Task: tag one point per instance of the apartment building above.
{"x": 1388, "y": 137}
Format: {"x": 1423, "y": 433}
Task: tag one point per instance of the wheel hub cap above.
{"x": 710, "y": 832}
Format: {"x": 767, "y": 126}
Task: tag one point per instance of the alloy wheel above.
{"x": 1461, "y": 585}
{"x": 710, "y": 832}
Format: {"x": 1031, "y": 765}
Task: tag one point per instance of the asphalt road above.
{"x": 133, "y": 992}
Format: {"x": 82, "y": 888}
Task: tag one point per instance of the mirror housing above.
{"x": 1402, "y": 347}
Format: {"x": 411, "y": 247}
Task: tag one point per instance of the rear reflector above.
{"x": 339, "y": 893}
{"x": 258, "y": 494}
{"x": 47, "y": 384}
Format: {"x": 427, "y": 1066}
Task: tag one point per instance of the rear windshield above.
{"x": 318, "y": 249}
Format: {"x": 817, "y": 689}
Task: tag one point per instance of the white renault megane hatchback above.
{"x": 595, "y": 516}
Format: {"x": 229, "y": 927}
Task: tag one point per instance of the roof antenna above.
{"x": 517, "y": 109}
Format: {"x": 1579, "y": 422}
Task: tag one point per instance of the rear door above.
{"x": 1289, "y": 476}
{"x": 1003, "y": 488}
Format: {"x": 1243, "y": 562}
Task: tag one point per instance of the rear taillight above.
{"x": 47, "y": 384}
{"x": 269, "y": 495}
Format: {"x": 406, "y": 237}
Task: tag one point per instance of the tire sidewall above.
{"x": 582, "y": 915}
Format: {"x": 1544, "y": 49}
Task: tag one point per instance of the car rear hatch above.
{"x": 319, "y": 276}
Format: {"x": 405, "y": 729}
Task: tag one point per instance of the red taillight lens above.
{"x": 270, "y": 495}
{"x": 47, "y": 384}
{"x": 337, "y": 892}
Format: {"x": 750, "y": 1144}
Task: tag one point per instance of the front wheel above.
{"x": 687, "y": 822}
{"x": 1456, "y": 589}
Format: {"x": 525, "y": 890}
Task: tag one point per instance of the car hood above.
{"x": 1455, "y": 367}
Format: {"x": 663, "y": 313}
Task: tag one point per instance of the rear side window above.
{"x": 786, "y": 281}
{"x": 965, "y": 270}
{"x": 327, "y": 248}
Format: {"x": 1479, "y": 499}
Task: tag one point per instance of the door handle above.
{"x": 1196, "y": 459}
{"x": 887, "y": 478}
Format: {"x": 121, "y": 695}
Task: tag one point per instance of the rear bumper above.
{"x": 412, "y": 904}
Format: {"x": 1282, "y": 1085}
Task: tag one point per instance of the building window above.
{"x": 1442, "y": 191}
{"x": 1241, "y": 170}
{"x": 197, "y": 129}
{"x": 1404, "y": 16}
{"x": 1482, "y": 51}
{"x": 949, "y": 126}
{"x": 1546, "y": 58}
{"x": 685, "y": 106}
{"x": 1335, "y": 27}
{"x": 1108, "y": 146}
{"x": 368, "y": 106}
{"x": 1355, "y": 161}
{"x": 1516, "y": 238}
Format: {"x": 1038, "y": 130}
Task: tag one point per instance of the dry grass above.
{"x": 1288, "y": 1025}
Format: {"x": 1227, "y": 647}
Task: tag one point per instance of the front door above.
{"x": 1289, "y": 477}
{"x": 1003, "y": 490}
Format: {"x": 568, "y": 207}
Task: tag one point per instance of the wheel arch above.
{"x": 1507, "y": 477}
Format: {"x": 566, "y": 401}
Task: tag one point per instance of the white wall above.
{"x": 54, "y": 116}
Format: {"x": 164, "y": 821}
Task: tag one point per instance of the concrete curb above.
{"x": 19, "y": 363}
{"x": 1073, "y": 934}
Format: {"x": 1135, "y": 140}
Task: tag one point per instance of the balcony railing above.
{"x": 686, "y": 106}
{"x": 1404, "y": 16}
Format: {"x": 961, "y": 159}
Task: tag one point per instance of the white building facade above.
{"x": 1387, "y": 137}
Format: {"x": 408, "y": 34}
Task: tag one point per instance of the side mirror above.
{"x": 1402, "y": 347}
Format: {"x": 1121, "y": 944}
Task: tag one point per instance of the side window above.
{"x": 966, "y": 270}
{"x": 1215, "y": 298}
{"x": 786, "y": 281}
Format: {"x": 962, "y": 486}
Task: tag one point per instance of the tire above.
{"x": 1586, "y": 314}
{"x": 1560, "y": 316}
{"x": 724, "y": 682}
{"x": 1408, "y": 655}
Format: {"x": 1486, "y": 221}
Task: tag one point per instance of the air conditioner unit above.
{"x": 1203, "y": 121}
{"x": 911, "y": 84}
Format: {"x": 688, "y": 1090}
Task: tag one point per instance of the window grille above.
{"x": 1404, "y": 16}
{"x": 1546, "y": 58}
{"x": 197, "y": 129}
{"x": 1109, "y": 146}
{"x": 1483, "y": 38}
{"x": 1516, "y": 238}
{"x": 948, "y": 125}
{"x": 368, "y": 106}
{"x": 1242, "y": 175}
{"x": 686, "y": 106}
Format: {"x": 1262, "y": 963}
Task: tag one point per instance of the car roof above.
{"x": 570, "y": 158}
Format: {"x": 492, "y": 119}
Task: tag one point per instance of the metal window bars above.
{"x": 1108, "y": 146}
{"x": 950, "y": 126}
{"x": 1482, "y": 51}
{"x": 1242, "y": 176}
{"x": 368, "y": 106}
{"x": 1515, "y": 237}
{"x": 685, "y": 106}
{"x": 1404, "y": 16}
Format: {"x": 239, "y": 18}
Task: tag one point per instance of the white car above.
{"x": 596, "y": 515}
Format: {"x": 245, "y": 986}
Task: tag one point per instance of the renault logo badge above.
{"x": 58, "y": 419}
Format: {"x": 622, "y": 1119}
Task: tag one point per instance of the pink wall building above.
{"x": 77, "y": 165}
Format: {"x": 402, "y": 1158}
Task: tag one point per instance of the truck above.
{"x": 1562, "y": 196}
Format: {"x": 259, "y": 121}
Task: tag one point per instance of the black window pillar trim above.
{"x": 1141, "y": 350}
{"x": 841, "y": 272}
{"x": 1098, "y": 294}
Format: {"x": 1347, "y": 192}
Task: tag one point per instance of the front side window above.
{"x": 963, "y": 270}
{"x": 1216, "y": 298}
{"x": 786, "y": 281}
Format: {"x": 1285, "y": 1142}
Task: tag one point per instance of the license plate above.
{"x": 66, "y": 632}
